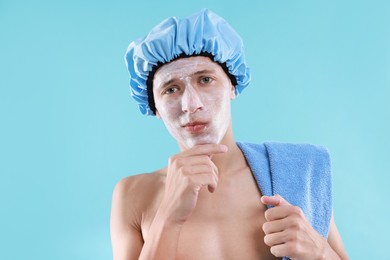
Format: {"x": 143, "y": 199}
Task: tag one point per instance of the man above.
{"x": 209, "y": 202}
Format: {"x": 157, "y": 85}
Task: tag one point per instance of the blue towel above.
{"x": 300, "y": 173}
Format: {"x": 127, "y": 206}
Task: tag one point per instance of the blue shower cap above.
{"x": 202, "y": 32}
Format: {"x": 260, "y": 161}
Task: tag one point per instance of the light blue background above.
{"x": 69, "y": 130}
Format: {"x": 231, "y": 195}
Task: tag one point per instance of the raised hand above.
{"x": 289, "y": 233}
{"x": 187, "y": 173}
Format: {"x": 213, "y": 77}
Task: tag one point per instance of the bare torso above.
{"x": 226, "y": 224}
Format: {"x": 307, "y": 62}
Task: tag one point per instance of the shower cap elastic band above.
{"x": 202, "y": 32}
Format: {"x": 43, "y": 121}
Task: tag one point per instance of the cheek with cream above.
{"x": 217, "y": 104}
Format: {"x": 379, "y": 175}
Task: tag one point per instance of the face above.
{"x": 192, "y": 97}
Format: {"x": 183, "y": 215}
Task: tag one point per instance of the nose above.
{"x": 191, "y": 101}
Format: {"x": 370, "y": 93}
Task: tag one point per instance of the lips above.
{"x": 195, "y": 127}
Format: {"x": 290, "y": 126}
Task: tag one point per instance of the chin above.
{"x": 191, "y": 142}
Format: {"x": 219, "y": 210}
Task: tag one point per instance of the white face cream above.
{"x": 192, "y": 96}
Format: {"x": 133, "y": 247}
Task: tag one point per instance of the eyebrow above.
{"x": 203, "y": 72}
{"x": 166, "y": 83}
{"x": 199, "y": 72}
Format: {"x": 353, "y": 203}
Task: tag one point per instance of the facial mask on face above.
{"x": 198, "y": 110}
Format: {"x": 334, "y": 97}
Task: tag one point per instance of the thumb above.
{"x": 274, "y": 201}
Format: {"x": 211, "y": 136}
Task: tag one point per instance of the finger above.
{"x": 200, "y": 169}
{"x": 276, "y": 238}
{"x": 282, "y": 201}
{"x": 274, "y": 201}
{"x": 282, "y": 212}
{"x": 281, "y": 250}
{"x": 196, "y": 160}
{"x": 206, "y": 149}
{"x": 204, "y": 179}
{"x": 276, "y": 213}
{"x": 274, "y": 226}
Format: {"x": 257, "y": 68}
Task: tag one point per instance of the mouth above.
{"x": 195, "y": 127}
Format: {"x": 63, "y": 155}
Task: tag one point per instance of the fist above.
{"x": 187, "y": 173}
{"x": 289, "y": 233}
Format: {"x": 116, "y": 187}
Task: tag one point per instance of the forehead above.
{"x": 184, "y": 67}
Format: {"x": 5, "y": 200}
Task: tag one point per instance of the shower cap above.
{"x": 202, "y": 32}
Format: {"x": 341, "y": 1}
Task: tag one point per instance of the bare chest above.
{"x": 227, "y": 227}
{"x": 224, "y": 225}
{"x": 236, "y": 234}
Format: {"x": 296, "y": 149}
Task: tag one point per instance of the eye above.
{"x": 206, "y": 80}
{"x": 170, "y": 91}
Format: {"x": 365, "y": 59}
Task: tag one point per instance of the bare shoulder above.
{"x": 137, "y": 192}
{"x": 137, "y": 183}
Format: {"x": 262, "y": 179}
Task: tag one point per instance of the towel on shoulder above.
{"x": 300, "y": 173}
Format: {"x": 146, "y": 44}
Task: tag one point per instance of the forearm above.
{"x": 162, "y": 240}
{"x": 330, "y": 253}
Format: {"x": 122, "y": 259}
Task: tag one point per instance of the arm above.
{"x": 334, "y": 240}
{"x": 163, "y": 241}
{"x": 126, "y": 237}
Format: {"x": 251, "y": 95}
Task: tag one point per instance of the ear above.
{"x": 232, "y": 92}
